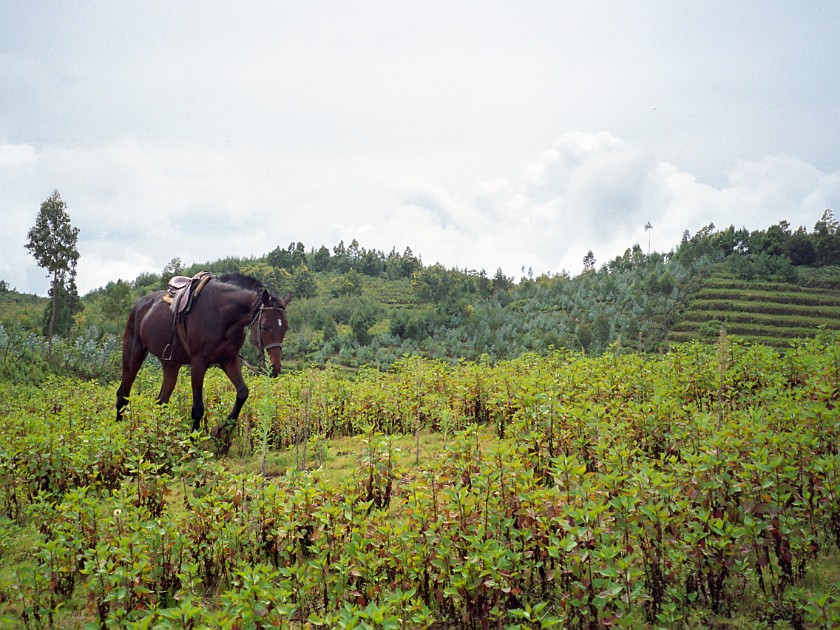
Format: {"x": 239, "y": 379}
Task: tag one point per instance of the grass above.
{"x": 803, "y": 298}
{"x": 777, "y": 309}
{"x": 768, "y": 319}
{"x": 341, "y": 456}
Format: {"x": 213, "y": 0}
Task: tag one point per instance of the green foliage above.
{"x": 349, "y": 284}
{"x": 25, "y": 358}
{"x": 52, "y": 241}
{"x": 361, "y": 321}
{"x": 20, "y": 310}
{"x": 771, "y": 253}
{"x": 670, "y": 490}
{"x": 107, "y": 308}
{"x": 304, "y": 284}
{"x": 399, "y": 306}
{"x": 826, "y": 238}
{"x": 289, "y": 259}
{"x": 58, "y": 316}
{"x": 772, "y": 313}
{"x": 592, "y": 486}
{"x": 710, "y": 329}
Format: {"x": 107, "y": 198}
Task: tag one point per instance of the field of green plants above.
{"x": 697, "y": 488}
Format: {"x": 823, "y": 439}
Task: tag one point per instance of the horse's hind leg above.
{"x": 199, "y": 369}
{"x": 132, "y": 358}
{"x": 170, "y": 378}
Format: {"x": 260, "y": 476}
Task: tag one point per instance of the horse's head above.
{"x": 269, "y": 327}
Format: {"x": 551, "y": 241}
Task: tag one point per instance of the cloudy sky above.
{"x": 480, "y": 134}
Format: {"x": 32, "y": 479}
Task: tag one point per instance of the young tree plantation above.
{"x": 356, "y": 307}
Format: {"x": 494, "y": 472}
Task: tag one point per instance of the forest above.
{"x": 357, "y": 307}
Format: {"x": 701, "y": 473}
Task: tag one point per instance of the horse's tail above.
{"x": 131, "y": 336}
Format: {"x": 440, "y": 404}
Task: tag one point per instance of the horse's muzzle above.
{"x": 275, "y": 357}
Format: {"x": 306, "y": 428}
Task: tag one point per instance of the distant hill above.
{"x": 21, "y": 309}
{"x": 357, "y": 307}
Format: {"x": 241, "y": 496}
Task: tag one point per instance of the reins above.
{"x": 255, "y": 369}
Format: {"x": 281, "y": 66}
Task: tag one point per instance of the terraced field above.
{"x": 771, "y": 313}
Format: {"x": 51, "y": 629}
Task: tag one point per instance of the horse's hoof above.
{"x": 223, "y": 437}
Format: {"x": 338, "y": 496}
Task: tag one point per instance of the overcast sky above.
{"x": 480, "y": 134}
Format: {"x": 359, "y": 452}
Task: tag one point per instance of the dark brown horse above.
{"x": 213, "y": 332}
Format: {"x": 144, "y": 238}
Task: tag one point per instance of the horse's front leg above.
{"x": 198, "y": 370}
{"x": 233, "y": 369}
{"x": 224, "y": 432}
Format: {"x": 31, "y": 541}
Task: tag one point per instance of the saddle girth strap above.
{"x": 181, "y": 329}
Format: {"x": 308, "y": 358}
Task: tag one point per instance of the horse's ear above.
{"x": 266, "y": 298}
{"x": 285, "y": 301}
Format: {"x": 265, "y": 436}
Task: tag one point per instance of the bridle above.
{"x": 258, "y": 315}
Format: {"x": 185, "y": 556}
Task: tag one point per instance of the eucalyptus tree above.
{"x": 52, "y": 241}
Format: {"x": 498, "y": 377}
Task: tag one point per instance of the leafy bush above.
{"x": 642, "y": 490}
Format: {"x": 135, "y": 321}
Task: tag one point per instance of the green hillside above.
{"x": 771, "y": 313}
{"x": 356, "y": 307}
{"x": 21, "y": 309}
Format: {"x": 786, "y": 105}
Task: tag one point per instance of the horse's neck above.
{"x": 245, "y": 302}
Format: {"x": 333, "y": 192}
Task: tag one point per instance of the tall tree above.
{"x": 116, "y": 300}
{"x": 68, "y": 305}
{"x": 52, "y": 241}
{"x": 173, "y": 268}
{"x": 827, "y": 240}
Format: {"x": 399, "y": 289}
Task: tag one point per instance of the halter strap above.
{"x": 258, "y": 319}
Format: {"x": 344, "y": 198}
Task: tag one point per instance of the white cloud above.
{"x": 592, "y": 191}
{"x": 14, "y": 155}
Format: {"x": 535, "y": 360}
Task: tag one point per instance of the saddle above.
{"x": 180, "y": 295}
{"x": 183, "y": 290}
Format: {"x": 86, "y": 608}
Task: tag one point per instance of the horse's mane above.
{"x": 239, "y": 279}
